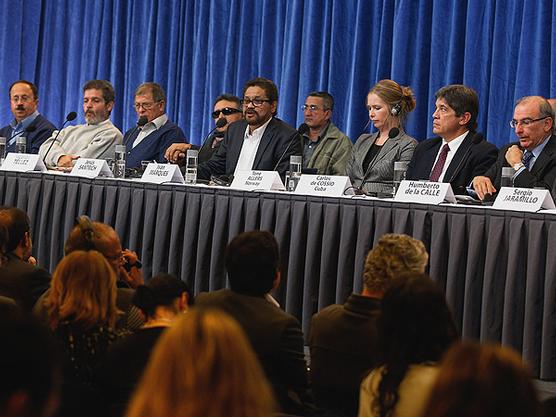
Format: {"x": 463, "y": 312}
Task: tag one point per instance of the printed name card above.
{"x": 162, "y": 173}
{"x": 323, "y": 185}
{"x": 257, "y": 180}
{"x": 23, "y": 162}
{"x": 425, "y": 192}
{"x": 523, "y": 199}
{"x": 91, "y": 168}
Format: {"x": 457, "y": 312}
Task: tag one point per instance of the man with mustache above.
{"x": 28, "y": 122}
{"x": 95, "y": 139}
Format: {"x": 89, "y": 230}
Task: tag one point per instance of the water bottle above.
{"x": 20, "y": 144}
{"x": 295, "y": 172}
{"x": 2, "y": 149}
{"x": 507, "y": 179}
{"x": 191, "y": 166}
{"x": 119, "y": 161}
{"x": 400, "y": 168}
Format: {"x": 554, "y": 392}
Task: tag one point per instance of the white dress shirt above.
{"x": 249, "y": 148}
{"x": 454, "y": 145}
{"x": 149, "y": 128}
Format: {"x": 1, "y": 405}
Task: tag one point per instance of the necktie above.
{"x": 17, "y": 131}
{"x": 527, "y": 156}
{"x": 439, "y": 166}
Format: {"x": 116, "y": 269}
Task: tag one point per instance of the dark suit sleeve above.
{"x": 484, "y": 157}
{"x": 292, "y": 355}
{"x": 175, "y": 135}
{"x": 39, "y": 282}
{"x": 294, "y": 142}
{"x": 217, "y": 164}
{"x": 40, "y": 138}
{"x": 410, "y": 173}
{"x": 545, "y": 179}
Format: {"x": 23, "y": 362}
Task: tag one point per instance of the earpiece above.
{"x": 395, "y": 111}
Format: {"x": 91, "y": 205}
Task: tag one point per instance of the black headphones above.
{"x": 395, "y": 111}
{"x": 87, "y": 232}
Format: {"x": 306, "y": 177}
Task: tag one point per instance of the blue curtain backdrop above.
{"x": 198, "y": 49}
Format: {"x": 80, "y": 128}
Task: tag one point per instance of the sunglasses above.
{"x": 226, "y": 111}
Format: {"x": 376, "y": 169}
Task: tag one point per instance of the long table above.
{"x": 497, "y": 268}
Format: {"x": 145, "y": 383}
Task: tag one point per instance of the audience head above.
{"x": 163, "y": 291}
{"x": 533, "y": 121}
{"x": 98, "y": 101}
{"x": 393, "y": 255}
{"x": 253, "y": 263}
{"x": 16, "y": 224}
{"x": 150, "y": 101}
{"x": 30, "y": 376}
{"x": 457, "y": 108}
{"x": 83, "y": 291}
{"x": 24, "y": 99}
{"x": 317, "y": 109}
{"x": 227, "y": 106}
{"x": 203, "y": 366}
{"x": 260, "y": 101}
{"x": 482, "y": 381}
{"x": 389, "y": 104}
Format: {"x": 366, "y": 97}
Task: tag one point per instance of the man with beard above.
{"x": 95, "y": 139}
{"x": 28, "y": 122}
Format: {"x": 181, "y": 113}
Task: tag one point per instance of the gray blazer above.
{"x": 381, "y": 169}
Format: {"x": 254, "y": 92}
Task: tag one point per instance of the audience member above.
{"x": 20, "y": 278}
{"x": 482, "y": 381}
{"x": 161, "y": 301}
{"x": 253, "y": 265}
{"x": 203, "y": 366}
{"x": 344, "y": 338}
{"x": 371, "y": 163}
{"x": 415, "y": 329}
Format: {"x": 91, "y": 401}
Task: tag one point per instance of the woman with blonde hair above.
{"x": 203, "y": 366}
{"x": 371, "y": 163}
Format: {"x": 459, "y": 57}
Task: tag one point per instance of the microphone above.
{"x": 219, "y": 124}
{"x": 142, "y": 121}
{"x": 71, "y": 116}
{"x": 393, "y": 133}
{"x": 477, "y": 138}
{"x": 301, "y": 130}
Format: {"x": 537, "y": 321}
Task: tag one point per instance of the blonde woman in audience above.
{"x": 482, "y": 381}
{"x": 203, "y": 366}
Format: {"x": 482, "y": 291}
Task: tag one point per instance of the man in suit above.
{"x": 260, "y": 141}
{"x": 252, "y": 261}
{"x": 459, "y": 153}
{"x": 150, "y": 141}
{"x": 533, "y": 157}
{"x": 20, "y": 278}
{"x": 343, "y": 338}
{"x": 28, "y": 122}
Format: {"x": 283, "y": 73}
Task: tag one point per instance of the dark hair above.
{"x": 107, "y": 90}
{"x": 160, "y": 290}
{"x": 267, "y": 85}
{"x": 462, "y": 99}
{"x": 16, "y": 223}
{"x": 155, "y": 89}
{"x": 326, "y": 98}
{"x": 252, "y": 260}
{"x": 33, "y": 87}
{"x": 228, "y": 97}
{"x": 415, "y": 326}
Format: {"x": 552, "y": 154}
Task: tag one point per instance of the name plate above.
{"x": 257, "y": 180}
{"x": 425, "y": 192}
{"x": 324, "y": 185}
{"x": 91, "y": 168}
{"x": 162, "y": 173}
{"x": 23, "y": 162}
{"x": 523, "y": 199}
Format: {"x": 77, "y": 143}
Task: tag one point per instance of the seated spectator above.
{"x": 161, "y": 300}
{"x": 203, "y": 366}
{"x": 415, "y": 329}
{"x": 482, "y": 381}
{"x": 344, "y": 338}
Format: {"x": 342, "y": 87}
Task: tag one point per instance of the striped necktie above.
{"x": 439, "y": 166}
{"x": 527, "y": 156}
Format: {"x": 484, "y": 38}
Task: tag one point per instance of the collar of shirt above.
{"x": 322, "y": 134}
{"x": 25, "y": 122}
{"x": 257, "y": 133}
{"x": 538, "y": 149}
{"x": 454, "y": 145}
{"x": 149, "y": 128}
{"x": 249, "y": 148}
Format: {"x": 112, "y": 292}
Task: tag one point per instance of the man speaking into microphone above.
{"x": 95, "y": 139}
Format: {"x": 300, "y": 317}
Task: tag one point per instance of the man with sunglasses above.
{"x": 154, "y": 133}
{"x": 533, "y": 157}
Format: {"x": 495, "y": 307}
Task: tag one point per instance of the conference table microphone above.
{"x": 477, "y": 138}
{"x": 71, "y": 116}
{"x": 220, "y": 123}
{"x": 301, "y": 130}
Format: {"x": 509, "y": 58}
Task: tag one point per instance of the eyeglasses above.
{"x": 145, "y": 106}
{"x": 22, "y": 99}
{"x": 312, "y": 107}
{"x": 257, "y": 102}
{"x": 226, "y": 111}
{"x": 525, "y": 122}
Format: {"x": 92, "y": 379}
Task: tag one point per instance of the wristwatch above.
{"x": 518, "y": 166}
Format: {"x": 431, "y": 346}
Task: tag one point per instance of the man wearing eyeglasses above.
{"x": 28, "y": 122}
{"x": 150, "y": 141}
{"x": 325, "y": 148}
{"x": 533, "y": 157}
{"x": 260, "y": 141}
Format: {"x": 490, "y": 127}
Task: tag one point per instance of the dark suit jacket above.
{"x": 153, "y": 146}
{"x": 277, "y": 136}
{"x": 470, "y": 160}
{"x": 23, "y": 282}
{"x": 275, "y": 336}
{"x": 34, "y": 139}
{"x": 542, "y": 174}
